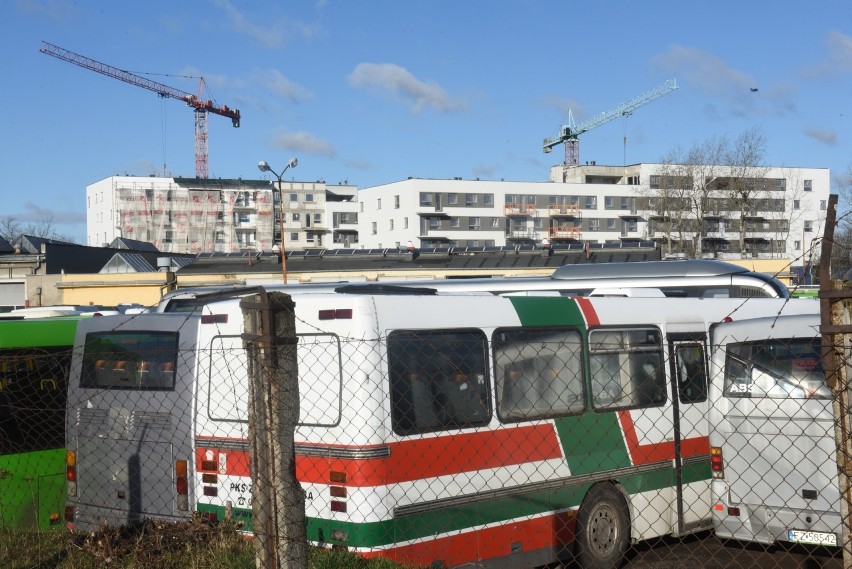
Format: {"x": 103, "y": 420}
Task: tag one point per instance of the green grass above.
{"x": 154, "y": 545}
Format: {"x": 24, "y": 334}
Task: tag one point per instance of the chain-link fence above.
{"x": 511, "y": 446}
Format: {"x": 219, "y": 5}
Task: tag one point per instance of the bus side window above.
{"x": 438, "y": 380}
{"x": 626, "y": 368}
{"x": 691, "y": 375}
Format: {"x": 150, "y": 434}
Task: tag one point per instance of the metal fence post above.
{"x": 278, "y": 501}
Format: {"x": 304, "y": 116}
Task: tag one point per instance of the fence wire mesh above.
{"x": 435, "y": 448}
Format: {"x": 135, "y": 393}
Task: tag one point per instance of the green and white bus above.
{"x": 35, "y": 357}
{"x": 435, "y": 429}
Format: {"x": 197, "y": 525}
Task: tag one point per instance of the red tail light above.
{"x": 717, "y": 464}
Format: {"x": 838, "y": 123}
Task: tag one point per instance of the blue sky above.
{"x": 372, "y": 92}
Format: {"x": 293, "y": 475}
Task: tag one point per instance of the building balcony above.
{"x": 570, "y": 211}
{"x": 519, "y": 210}
{"x": 564, "y": 232}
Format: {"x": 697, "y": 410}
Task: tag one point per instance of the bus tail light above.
{"x": 71, "y": 472}
{"x": 717, "y": 465}
{"x": 182, "y": 485}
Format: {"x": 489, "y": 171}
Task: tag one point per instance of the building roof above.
{"x": 133, "y": 245}
{"x": 5, "y": 246}
{"x": 475, "y": 260}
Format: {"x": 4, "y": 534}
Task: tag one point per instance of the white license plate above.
{"x": 815, "y": 537}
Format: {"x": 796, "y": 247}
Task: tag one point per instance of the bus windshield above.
{"x": 775, "y": 369}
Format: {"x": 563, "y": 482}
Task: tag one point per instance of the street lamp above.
{"x": 264, "y": 167}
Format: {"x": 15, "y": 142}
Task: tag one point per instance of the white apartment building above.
{"x": 194, "y": 215}
{"x": 783, "y": 214}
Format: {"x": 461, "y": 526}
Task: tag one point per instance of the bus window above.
{"x": 775, "y": 369}
{"x": 32, "y": 399}
{"x": 130, "y": 360}
{"x": 438, "y": 380}
{"x": 538, "y": 373}
{"x": 691, "y": 375}
{"x": 626, "y": 368}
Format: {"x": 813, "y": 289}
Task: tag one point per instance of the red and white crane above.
{"x": 196, "y": 101}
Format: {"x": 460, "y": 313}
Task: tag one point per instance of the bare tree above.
{"x": 745, "y": 163}
{"x": 12, "y": 228}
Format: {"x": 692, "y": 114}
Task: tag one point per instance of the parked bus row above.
{"x": 435, "y": 428}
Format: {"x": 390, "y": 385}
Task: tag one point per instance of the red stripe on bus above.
{"x": 656, "y": 452}
{"x": 548, "y": 532}
{"x": 588, "y": 311}
{"x": 413, "y": 459}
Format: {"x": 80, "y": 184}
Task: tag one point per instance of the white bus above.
{"x": 435, "y": 429}
{"x": 772, "y": 433}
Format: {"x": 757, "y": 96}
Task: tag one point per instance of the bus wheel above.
{"x": 603, "y": 529}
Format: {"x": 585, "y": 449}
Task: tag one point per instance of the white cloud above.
{"x": 400, "y": 83}
{"x": 277, "y": 83}
{"x": 729, "y": 90}
{"x": 272, "y": 33}
{"x": 838, "y": 61}
{"x": 825, "y": 136}
{"x": 56, "y": 10}
{"x": 304, "y": 142}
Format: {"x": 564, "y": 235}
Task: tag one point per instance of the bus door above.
{"x": 688, "y": 366}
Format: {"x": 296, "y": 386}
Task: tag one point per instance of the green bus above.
{"x": 35, "y": 358}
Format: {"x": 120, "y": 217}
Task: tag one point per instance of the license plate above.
{"x": 815, "y": 537}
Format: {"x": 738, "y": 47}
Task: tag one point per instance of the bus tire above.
{"x": 603, "y": 529}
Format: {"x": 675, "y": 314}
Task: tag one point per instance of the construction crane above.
{"x": 197, "y": 102}
{"x": 569, "y": 132}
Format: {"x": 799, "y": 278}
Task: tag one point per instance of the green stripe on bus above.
{"x": 38, "y": 333}
{"x": 455, "y": 518}
{"x": 547, "y": 311}
{"x": 592, "y": 442}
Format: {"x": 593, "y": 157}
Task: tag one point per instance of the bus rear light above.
{"x": 337, "y": 491}
{"x": 71, "y": 472}
{"x": 336, "y": 314}
{"x": 338, "y": 506}
{"x": 69, "y": 514}
{"x": 717, "y": 464}
{"x": 214, "y": 318}
{"x": 338, "y": 477}
{"x": 733, "y": 512}
{"x": 211, "y": 491}
{"x": 181, "y": 485}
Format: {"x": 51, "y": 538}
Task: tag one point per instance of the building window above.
{"x": 624, "y": 203}
{"x": 489, "y": 243}
{"x": 655, "y": 182}
{"x": 473, "y": 223}
{"x": 374, "y": 227}
{"x": 797, "y": 245}
{"x": 309, "y": 197}
{"x": 390, "y": 224}
{"x": 434, "y": 223}
{"x": 610, "y": 224}
{"x": 455, "y": 222}
{"x": 608, "y": 202}
{"x": 405, "y": 223}
{"x": 297, "y": 217}
{"x": 361, "y": 207}
{"x": 379, "y": 203}
{"x": 488, "y": 199}
{"x": 396, "y": 202}
{"x": 591, "y": 202}
{"x": 452, "y": 199}
{"x": 425, "y": 199}
{"x": 294, "y": 198}
{"x": 472, "y": 199}
{"x": 495, "y": 223}
{"x": 796, "y": 204}
{"x": 317, "y": 219}
{"x": 809, "y": 226}
{"x": 294, "y": 237}
{"x": 808, "y": 185}
{"x": 593, "y": 224}
{"x": 822, "y": 205}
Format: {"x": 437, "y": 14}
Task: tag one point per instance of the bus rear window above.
{"x": 775, "y": 369}
{"x": 133, "y": 360}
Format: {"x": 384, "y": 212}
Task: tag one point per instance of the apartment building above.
{"x": 194, "y": 215}
{"x": 770, "y": 213}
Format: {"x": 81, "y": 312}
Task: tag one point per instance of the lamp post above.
{"x": 264, "y": 167}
